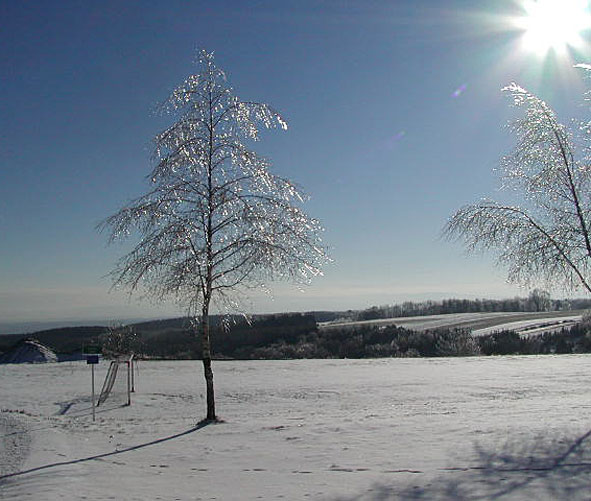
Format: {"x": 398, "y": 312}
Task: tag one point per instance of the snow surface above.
{"x": 457, "y": 428}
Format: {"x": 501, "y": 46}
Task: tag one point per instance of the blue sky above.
{"x": 395, "y": 120}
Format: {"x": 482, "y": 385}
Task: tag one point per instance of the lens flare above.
{"x": 554, "y": 25}
{"x": 459, "y": 91}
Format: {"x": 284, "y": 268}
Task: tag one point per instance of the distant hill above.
{"x": 174, "y": 338}
{"x": 62, "y": 340}
{"x": 32, "y": 327}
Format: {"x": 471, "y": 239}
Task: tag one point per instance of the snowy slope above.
{"x": 510, "y": 427}
{"x": 480, "y": 323}
{"x": 530, "y": 327}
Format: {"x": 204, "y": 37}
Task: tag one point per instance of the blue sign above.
{"x": 92, "y": 359}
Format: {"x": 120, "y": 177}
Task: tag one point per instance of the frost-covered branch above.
{"x": 547, "y": 237}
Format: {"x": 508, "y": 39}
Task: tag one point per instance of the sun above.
{"x": 554, "y": 25}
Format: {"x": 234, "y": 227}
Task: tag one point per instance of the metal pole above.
{"x": 132, "y": 375}
{"x": 129, "y": 382}
{"x": 93, "y": 411}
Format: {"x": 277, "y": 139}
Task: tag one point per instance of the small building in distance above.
{"x": 28, "y": 351}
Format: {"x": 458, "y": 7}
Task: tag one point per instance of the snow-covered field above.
{"x": 479, "y": 323}
{"x": 531, "y": 327}
{"x": 462, "y": 428}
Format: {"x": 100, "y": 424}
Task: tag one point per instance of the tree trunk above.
{"x": 206, "y": 356}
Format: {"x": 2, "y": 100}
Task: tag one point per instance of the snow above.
{"x": 14, "y": 443}
{"x": 449, "y": 428}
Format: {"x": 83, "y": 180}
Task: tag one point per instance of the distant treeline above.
{"x": 295, "y": 335}
{"x": 238, "y": 340}
{"x": 232, "y": 337}
{"x": 392, "y": 341}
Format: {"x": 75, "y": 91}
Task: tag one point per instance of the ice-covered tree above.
{"x": 539, "y": 300}
{"x": 216, "y": 222}
{"x": 545, "y": 237}
{"x": 121, "y": 340}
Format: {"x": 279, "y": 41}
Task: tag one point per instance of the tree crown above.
{"x": 217, "y": 221}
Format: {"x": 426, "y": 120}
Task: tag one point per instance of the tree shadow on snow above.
{"x": 542, "y": 468}
{"x": 200, "y": 425}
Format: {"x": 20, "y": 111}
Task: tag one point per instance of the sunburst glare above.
{"x": 554, "y": 25}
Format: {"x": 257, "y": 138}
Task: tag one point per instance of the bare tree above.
{"x": 216, "y": 222}
{"x": 545, "y": 238}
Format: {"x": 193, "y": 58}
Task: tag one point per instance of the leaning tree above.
{"x": 546, "y": 237}
{"x": 216, "y": 222}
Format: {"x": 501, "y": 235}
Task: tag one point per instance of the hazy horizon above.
{"x": 23, "y": 326}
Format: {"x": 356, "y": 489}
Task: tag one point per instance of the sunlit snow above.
{"x": 495, "y": 427}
